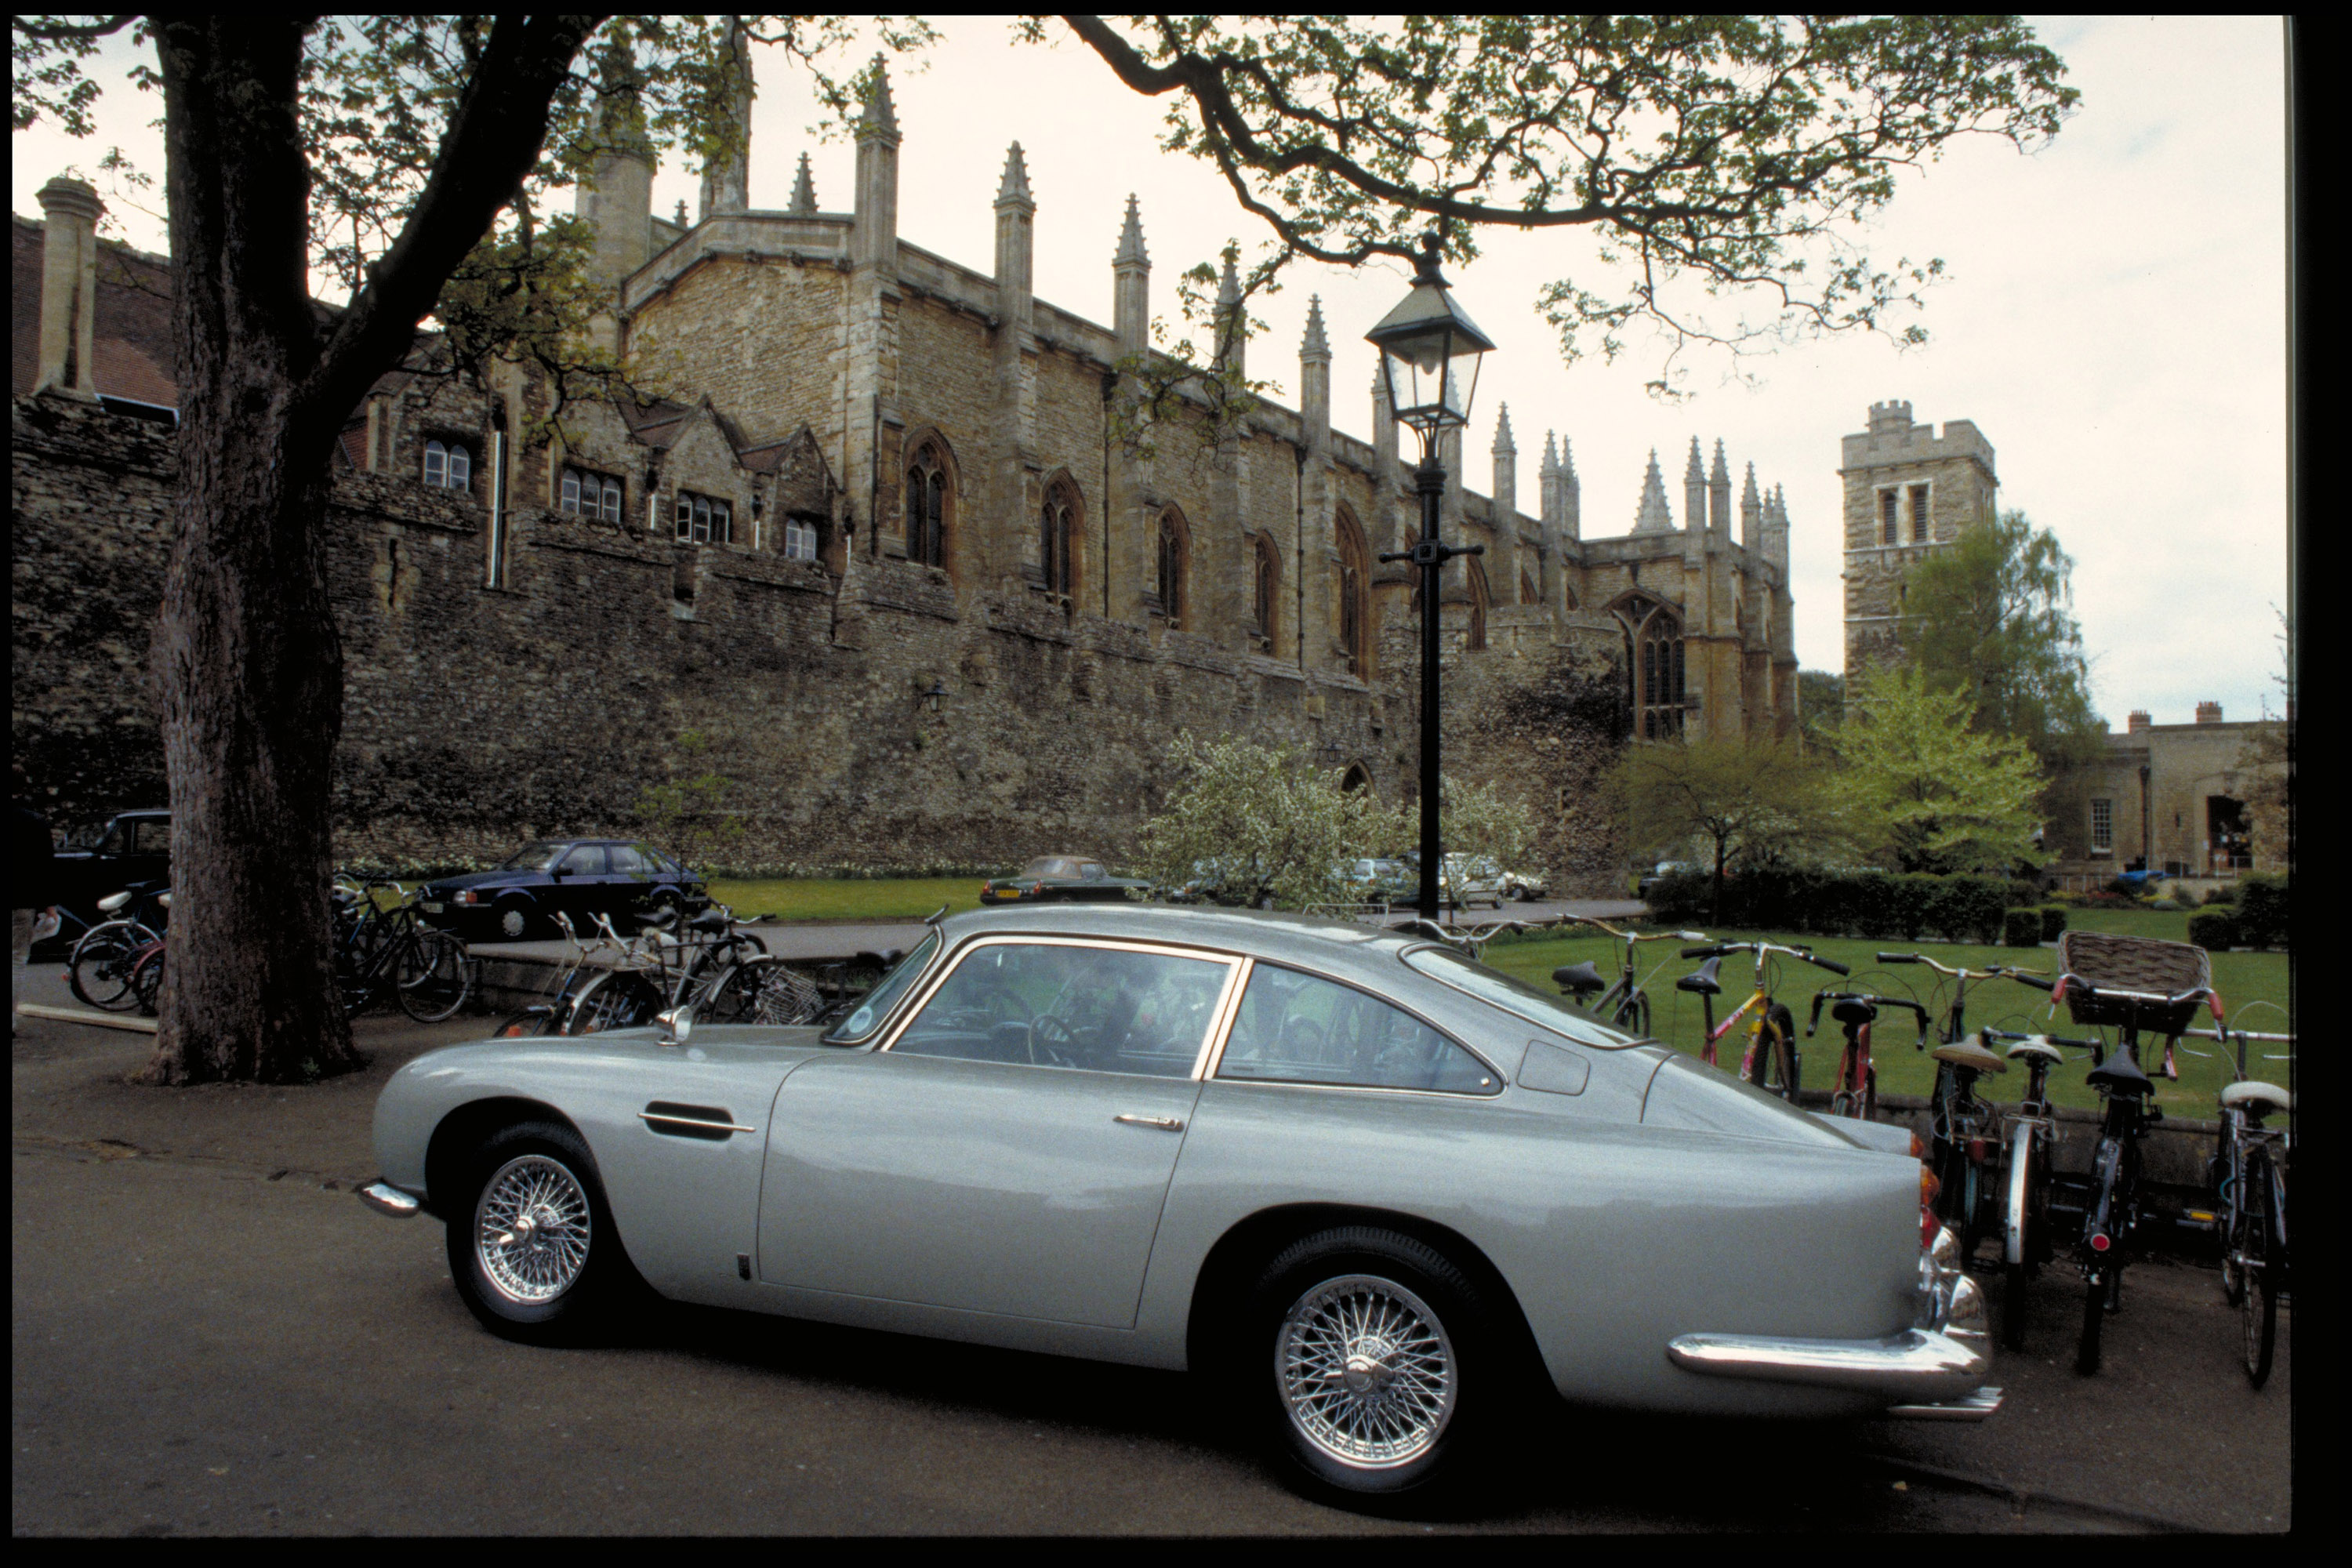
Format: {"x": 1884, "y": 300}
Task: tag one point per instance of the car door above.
{"x": 580, "y": 891}
{"x": 1009, "y": 1150}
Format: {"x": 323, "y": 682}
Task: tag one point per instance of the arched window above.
{"x": 448, "y": 466}
{"x": 1355, "y": 595}
{"x": 1356, "y": 777}
{"x": 930, "y": 506}
{"x": 1653, "y": 652}
{"x": 1057, "y": 530}
{"x": 1266, "y": 590}
{"x": 1528, "y": 594}
{"x": 1172, "y": 562}
{"x": 1478, "y": 601}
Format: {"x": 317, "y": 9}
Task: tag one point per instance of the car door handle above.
{"x": 1165, "y": 1123}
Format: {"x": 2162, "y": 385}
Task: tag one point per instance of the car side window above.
{"x": 627, "y": 862}
{"x": 1299, "y": 1028}
{"x": 585, "y": 861}
{"x": 1098, "y": 1009}
{"x": 152, "y": 836}
{"x": 1091, "y": 871}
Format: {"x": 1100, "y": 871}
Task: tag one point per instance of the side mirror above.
{"x": 677, "y": 1026}
{"x": 556, "y": 873}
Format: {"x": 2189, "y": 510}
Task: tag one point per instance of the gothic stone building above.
{"x": 880, "y": 553}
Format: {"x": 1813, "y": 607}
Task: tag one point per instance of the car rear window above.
{"x": 1515, "y": 997}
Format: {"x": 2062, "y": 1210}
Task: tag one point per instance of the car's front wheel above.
{"x": 1375, "y": 1367}
{"x": 511, "y": 919}
{"x": 531, "y": 1239}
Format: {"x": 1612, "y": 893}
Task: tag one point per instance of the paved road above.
{"x": 209, "y": 1335}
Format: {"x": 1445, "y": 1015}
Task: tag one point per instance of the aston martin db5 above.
{"x": 1382, "y": 1196}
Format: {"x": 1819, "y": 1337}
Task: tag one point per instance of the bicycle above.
{"x": 2128, "y": 983}
{"x": 2029, "y": 1141}
{"x": 2252, "y": 1189}
{"x": 392, "y": 953}
{"x": 1624, "y": 1003}
{"x": 1962, "y": 1137}
{"x": 98, "y": 968}
{"x": 1855, "y": 1011}
{"x": 1770, "y": 1062}
{"x": 724, "y": 977}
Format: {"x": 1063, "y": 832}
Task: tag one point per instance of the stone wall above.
{"x": 476, "y": 717}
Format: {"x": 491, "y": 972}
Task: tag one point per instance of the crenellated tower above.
{"x": 1908, "y": 492}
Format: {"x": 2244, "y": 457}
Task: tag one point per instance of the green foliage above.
{"x": 2054, "y": 922}
{"x": 2225, "y": 894}
{"x": 1264, "y": 813}
{"x": 1723, "y": 163}
{"x": 2216, "y": 931}
{"x": 2022, "y": 928}
{"x": 2023, "y": 891}
{"x": 688, "y": 817}
{"x": 1476, "y": 820}
{"x": 1926, "y": 789}
{"x": 1875, "y": 904}
{"x": 1751, "y": 803}
{"x": 2263, "y": 910}
{"x": 1821, "y": 710}
{"x": 1991, "y": 617}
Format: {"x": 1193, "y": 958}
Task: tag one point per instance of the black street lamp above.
{"x": 1429, "y": 361}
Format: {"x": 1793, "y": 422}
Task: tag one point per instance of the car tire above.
{"x": 568, "y": 1280}
{"x": 1408, "y": 1339}
{"x": 510, "y": 921}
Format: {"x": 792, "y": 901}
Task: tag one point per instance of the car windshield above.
{"x": 885, "y": 997}
{"x": 1051, "y": 865}
{"x": 1517, "y": 997}
{"x": 534, "y": 857}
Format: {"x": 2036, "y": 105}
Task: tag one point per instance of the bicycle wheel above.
{"x": 147, "y": 978}
{"x": 616, "y": 999}
{"x": 2258, "y": 1306}
{"x": 2094, "y": 1312}
{"x": 1870, "y": 1094}
{"x": 2016, "y": 1258}
{"x": 762, "y": 991}
{"x": 99, "y": 969}
{"x": 529, "y": 1024}
{"x": 435, "y": 976}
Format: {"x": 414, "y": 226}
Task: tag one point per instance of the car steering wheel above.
{"x": 1051, "y": 1043}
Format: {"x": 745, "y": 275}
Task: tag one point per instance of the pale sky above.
{"x": 2114, "y": 319}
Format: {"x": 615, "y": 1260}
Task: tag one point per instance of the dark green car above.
{"x": 1050, "y": 878}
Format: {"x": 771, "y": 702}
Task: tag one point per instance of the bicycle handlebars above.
{"x": 1722, "y": 949}
{"x": 1826, "y": 995}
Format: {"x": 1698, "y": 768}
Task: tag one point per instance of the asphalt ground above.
{"x": 210, "y": 1335}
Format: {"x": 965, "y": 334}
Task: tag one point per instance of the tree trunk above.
{"x": 247, "y": 665}
{"x": 1715, "y": 909}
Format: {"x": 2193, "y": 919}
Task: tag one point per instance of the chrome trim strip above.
{"x": 1165, "y": 1123}
{"x": 693, "y": 1122}
{"x": 387, "y": 1199}
{"x": 1973, "y": 1407}
{"x": 1222, "y": 1028}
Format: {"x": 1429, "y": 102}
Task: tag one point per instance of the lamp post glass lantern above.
{"x": 1430, "y": 352}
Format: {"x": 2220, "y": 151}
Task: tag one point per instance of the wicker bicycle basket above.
{"x": 2135, "y": 963}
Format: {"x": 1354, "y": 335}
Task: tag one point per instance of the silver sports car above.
{"x": 1382, "y": 1193}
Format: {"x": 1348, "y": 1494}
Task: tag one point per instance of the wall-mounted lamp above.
{"x": 931, "y": 699}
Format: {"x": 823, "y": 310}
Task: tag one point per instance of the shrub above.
{"x": 2022, "y": 928}
{"x": 2023, "y": 892}
{"x": 1680, "y": 897}
{"x": 2054, "y": 922}
{"x": 1966, "y": 909}
{"x": 2215, "y": 933}
{"x": 2225, "y": 894}
{"x": 2122, "y": 889}
{"x": 2261, "y": 912}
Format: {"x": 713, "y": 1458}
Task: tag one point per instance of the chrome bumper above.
{"x": 1932, "y": 1370}
{"x": 387, "y": 1199}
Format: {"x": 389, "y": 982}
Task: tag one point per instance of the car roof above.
{"x": 1271, "y": 935}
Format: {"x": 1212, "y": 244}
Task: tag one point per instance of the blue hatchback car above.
{"x": 580, "y": 878}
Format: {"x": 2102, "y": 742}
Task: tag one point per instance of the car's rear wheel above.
{"x": 1376, "y": 1365}
{"x": 530, "y": 1239}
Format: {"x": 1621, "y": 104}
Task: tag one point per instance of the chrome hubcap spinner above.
{"x": 531, "y": 1229}
{"x": 1366, "y": 1371}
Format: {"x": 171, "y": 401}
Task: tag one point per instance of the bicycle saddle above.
{"x": 1703, "y": 979}
{"x": 2120, "y": 1075}
{"x": 1968, "y": 1054}
{"x": 1580, "y": 978}
{"x": 2035, "y": 1045}
{"x": 708, "y": 920}
{"x": 1853, "y": 1012}
{"x": 2250, "y": 1092}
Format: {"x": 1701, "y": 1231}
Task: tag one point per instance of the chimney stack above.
{"x": 69, "y": 285}
{"x": 2209, "y": 712}
{"x": 2137, "y": 723}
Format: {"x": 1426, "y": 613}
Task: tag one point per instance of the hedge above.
{"x": 2022, "y": 928}
{"x": 2261, "y": 912}
{"x": 2215, "y": 931}
{"x": 2054, "y": 922}
{"x": 1885, "y": 906}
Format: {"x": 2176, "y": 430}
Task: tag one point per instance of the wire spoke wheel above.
{"x": 435, "y": 977}
{"x": 2258, "y": 1304}
{"x": 1366, "y": 1371}
{"x": 762, "y": 991}
{"x": 531, "y": 1229}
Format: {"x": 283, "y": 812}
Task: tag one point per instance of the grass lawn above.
{"x": 2240, "y": 977}
{"x": 849, "y": 897}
